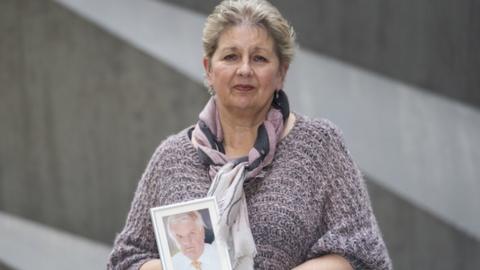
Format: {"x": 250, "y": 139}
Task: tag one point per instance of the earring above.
{"x": 277, "y": 93}
{"x": 211, "y": 91}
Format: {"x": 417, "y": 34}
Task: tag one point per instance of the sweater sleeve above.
{"x": 348, "y": 225}
{"x": 136, "y": 245}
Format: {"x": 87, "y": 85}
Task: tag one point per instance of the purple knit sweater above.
{"x": 309, "y": 202}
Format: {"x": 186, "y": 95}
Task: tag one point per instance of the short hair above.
{"x": 251, "y": 12}
{"x": 183, "y": 218}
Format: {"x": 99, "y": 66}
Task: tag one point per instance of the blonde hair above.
{"x": 251, "y": 12}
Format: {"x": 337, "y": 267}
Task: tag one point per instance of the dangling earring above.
{"x": 211, "y": 91}
{"x": 277, "y": 93}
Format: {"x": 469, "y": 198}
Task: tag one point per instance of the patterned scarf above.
{"x": 229, "y": 174}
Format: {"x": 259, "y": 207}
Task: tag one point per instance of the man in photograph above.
{"x": 187, "y": 230}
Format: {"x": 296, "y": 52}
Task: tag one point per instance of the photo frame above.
{"x": 182, "y": 242}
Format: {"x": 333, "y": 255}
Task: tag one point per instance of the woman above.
{"x": 303, "y": 204}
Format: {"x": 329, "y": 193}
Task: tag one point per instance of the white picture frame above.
{"x": 207, "y": 208}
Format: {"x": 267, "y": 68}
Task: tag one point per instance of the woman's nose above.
{"x": 245, "y": 69}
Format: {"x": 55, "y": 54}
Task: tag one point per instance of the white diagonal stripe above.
{"x": 419, "y": 145}
{"x": 28, "y": 245}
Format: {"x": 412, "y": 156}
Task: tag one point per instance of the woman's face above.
{"x": 244, "y": 71}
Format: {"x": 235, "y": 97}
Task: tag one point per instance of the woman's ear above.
{"x": 283, "y": 73}
{"x": 206, "y": 67}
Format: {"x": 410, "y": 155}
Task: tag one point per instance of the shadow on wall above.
{"x": 418, "y": 240}
{"x": 81, "y": 113}
{"x": 4, "y": 267}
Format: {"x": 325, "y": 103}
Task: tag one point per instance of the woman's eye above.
{"x": 230, "y": 57}
{"x": 259, "y": 58}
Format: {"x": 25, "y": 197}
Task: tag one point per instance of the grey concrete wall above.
{"x": 432, "y": 44}
{"x": 81, "y": 111}
{"x": 80, "y": 114}
{"x": 416, "y": 239}
{"x": 4, "y": 267}
{"x": 411, "y": 41}
{"x": 30, "y": 245}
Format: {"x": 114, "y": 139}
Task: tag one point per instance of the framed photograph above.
{"x": 186, "y": 233}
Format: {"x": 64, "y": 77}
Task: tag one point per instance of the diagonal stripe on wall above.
{"x": 419, "y": 145}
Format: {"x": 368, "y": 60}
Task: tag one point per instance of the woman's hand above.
{"x": 327, "y": 262}
{"x": 152, "y": 265}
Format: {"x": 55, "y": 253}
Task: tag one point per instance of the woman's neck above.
{"x": 240, "y": 132}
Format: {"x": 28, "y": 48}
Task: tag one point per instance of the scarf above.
{"x": 229, "y": 174}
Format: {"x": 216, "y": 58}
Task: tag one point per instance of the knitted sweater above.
{"x": 309, "y": 202}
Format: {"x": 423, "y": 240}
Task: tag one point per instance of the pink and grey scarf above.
{"x": 229, "y": 174}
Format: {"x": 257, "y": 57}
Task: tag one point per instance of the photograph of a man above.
{"x": 187, "y": 231}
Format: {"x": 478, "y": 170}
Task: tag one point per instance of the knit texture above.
{"x": 309, "y": 202}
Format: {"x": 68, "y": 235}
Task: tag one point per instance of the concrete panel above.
{"x": 418, "y": 240}
{"x": 81, "y": 113}
{"x": 404, "y": 146}
{"x": 419, "y": 145}
{"x": 204, "y": 7}
{"x": 431, "y": 44}
{"x": 10, "y": 78}
{"x": 160, "y": 30}
{"x": 28, "y": 245}
{"x": 99, "y": 111}
{"x": 3, "y": 266}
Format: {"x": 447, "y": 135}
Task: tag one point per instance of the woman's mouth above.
{"x": 243, "y": 87}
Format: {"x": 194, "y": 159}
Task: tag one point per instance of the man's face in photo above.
{"x": 190, "y": 238}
